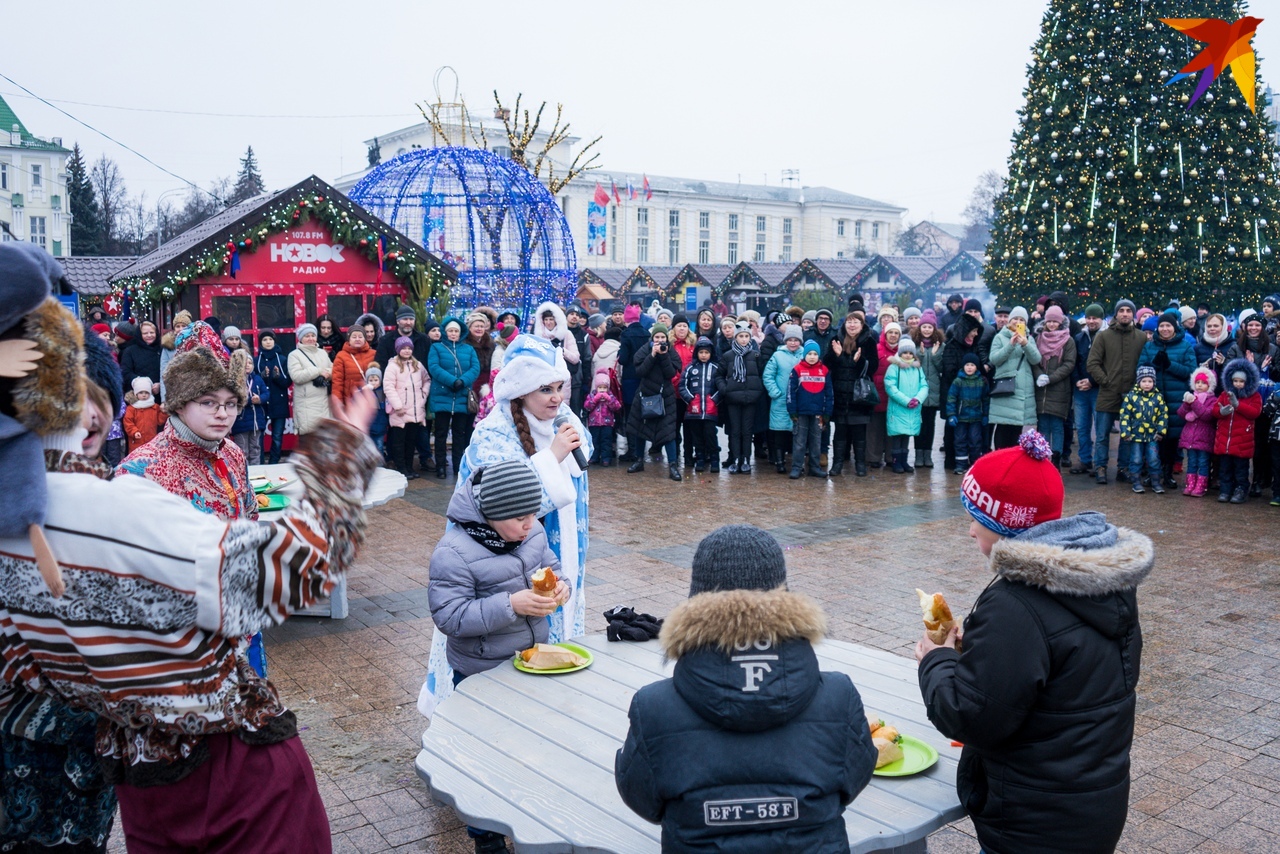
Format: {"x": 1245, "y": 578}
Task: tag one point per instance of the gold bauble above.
{"x": 1084, "y": 179}
{"x": 1186, "y": 203}
{"x": 1044, "y": 182}
{"x": 1236, "y": 199}
{"x": 1137, "y": 78}
{"x": 1184, "y": 99}
{"x": 1149, "y": 26}
{"x": 1035, "y": 116}
{"x": 1106, "y": 131}
{"x": 1144, "y": 226}
{"x": 1035, "y": 160}
{"x": 1248, "y": 252}
{"x": 1070, "y": 204}
{"x": 1233, "y": 102}
{"x": 1078, "y": 155}
{"x": 1123, "y": 101}
{"x": 1085, "y": 79}
{"x": 1053, "y": 135}
{"x": 1036, "y": 253}
{"x": 1091, "y": 34}
{"x": 1124, "y": 154}
{"x": 1200, "y": 219}
{"x": 1022, "y": 208}
{"x": 1141, "y": 253}
{"x": 1231, "y": 149}
{"x": 1005, "y": 255}
{"x": 1194, "y": 173}
{"x": 1040, "y": 228}
{"x": 1137, "y": 173}
{"x": 1089, "y": 224}
{"x": 1090, "y": 253}
{"x": 1164, "y": 125}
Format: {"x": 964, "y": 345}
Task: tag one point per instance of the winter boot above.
{"x": 638, "y": 465}
{"x": 1224, "y": 497}
{"x": 1156, "y": 486}
{"x": 1202, "y": 485}
{"x": 1100, "y": 476}
{"x": 1057, "y": 460}
{"x": 780, "y": 461}
{"x": 860, "y": 459}
{"x": 1189, "y": 487}
{"x": 816, "y": 471}
{"x": 715, "y": 465}
{"x": 732, "y": 466}
{"x": 744, "y": 465}
{"x": 795, "y": 473}
{"x": 919, "y": 458}
{"x": 1137, "y": 486}
{"x": 900, "y": 463}
{"x": 906, "y": 466}
{"x": 928, "y": 459}
{"x": 962, "y": 466}
{"x": 838, "y": 466}
{"x": 1240, "y": 495}
{"x": 673, "y": 472}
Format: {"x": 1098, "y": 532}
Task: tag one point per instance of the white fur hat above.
{"x": 529, "y": 364}
{"x": 141, "y": 384}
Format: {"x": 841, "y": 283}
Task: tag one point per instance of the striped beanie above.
{"x": 507, "y": 490}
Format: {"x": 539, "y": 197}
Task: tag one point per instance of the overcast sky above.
{"x": 904, "y": 101}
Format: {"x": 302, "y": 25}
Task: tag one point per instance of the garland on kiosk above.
{"x": 425, "y": 282}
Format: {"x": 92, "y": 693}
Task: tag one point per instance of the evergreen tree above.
{"x": 249, "y": 181}
{"x": 1118, "y": 186}
{"x": 86, "y": 216}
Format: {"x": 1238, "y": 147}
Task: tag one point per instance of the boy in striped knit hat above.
{"x": 203, "y": 753}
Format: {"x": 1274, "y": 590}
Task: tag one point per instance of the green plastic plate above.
{"x": 275, "y": 501}
{"x": 916, "y": 757}
{"x": 572, "y": 647}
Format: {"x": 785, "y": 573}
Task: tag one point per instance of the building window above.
{"x": 673, "y": 220}
{"x": 57, "y": 249}
{"x": 642, "y": 235}
{"x": 875, "y": 231}
{"x": 35, "y": 176}
{"x": 786, "y": 227}
{"x": 37, "y": 232}
{"x": 839, "y": 228}
{"x": 704, "y": 219}
{"x": 704, "y": 251}
{"x": 733, "y": 222}
{"x": 882, "y": 275}
{"x": 759, "y": 256}
{"x": 857, "y": 229}
{"x": 564, "y": 206}
{"x": 968, "y": 274}
{"x": 786, "y": 252}
{"x": 760, "y": 224}
{"x": 673, "y": 251}
{"x": 733, "y": 252}
{"x": 4, "y": 176}
{"x": 840, "y": 254}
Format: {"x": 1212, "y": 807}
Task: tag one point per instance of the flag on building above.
{"x": 648, "y": 191}
{"x": 601, "y": 198}
{"x": 614, "y": 186}
{"x": 631, "y": 190}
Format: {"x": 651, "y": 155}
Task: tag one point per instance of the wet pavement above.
{"x": 1207, "y": 748}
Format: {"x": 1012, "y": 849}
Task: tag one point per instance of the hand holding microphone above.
{"x": 567, "y": 434}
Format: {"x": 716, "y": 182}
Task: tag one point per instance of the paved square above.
{"x": 1208, "y": 730}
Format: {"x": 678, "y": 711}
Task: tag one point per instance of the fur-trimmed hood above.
{"x": 562, "y": 323}
{"x": 379, "y": 328}
{"x": 1250, "y": 386}
{"x": 1207, "y": 375}
{"x": 728, "y": 618}
{"x": 903, "y": 365}
{"x": 1080, "y": 555}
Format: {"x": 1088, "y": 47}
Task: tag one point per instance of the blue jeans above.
{"x": 1082, "y": 402}
{"x": 1198, "y": 462}
{"x": 1102, "y": 422}
{"x": 1148, "y": 452}
{"x": 1052, "y": 427}
{"x": 277, "y": 439}
{"x": 673, "y": 450}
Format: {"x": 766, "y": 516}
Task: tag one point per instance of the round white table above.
{"x": 385, "y": 485}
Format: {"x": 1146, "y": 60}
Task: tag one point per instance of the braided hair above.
{"x": 521, "y": 422}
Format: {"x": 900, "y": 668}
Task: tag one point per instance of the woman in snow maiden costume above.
{"x": 1043, "y": 695}
{"x": 531, "y": 391}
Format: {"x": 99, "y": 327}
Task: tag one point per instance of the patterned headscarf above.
{"x": 201, "y": 334}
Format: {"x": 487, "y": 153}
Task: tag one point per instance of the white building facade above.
{"x": 33, "y": 187}
{"x": 685, "y": 221}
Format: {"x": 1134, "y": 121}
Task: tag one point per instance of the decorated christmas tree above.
{"x": 1121, "y": 182}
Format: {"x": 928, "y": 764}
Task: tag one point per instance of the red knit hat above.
{"x": 1014, "y": 489}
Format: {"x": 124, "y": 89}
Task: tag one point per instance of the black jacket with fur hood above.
{"x": 1043, "y": 695}
{"x": 747, "y": 724}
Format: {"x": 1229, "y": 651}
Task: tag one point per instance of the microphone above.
{"x": 578, "y": 456}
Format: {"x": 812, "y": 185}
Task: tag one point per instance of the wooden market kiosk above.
{"x": 283, "y": 259}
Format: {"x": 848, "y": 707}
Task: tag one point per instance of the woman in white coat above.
{"x": 310, "y": 369}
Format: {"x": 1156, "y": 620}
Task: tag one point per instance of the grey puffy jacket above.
{"x": 471, "y": 587}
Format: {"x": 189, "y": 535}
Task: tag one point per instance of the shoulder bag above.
{"x": 1008, "y": 386}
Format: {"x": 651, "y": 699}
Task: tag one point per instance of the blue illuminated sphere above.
{"x": 485, "y": 215}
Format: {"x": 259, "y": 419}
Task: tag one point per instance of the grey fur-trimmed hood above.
{"x": 1063, "y": 570}
{"x": 728, "y": 618}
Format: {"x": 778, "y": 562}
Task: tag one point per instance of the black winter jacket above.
{"x": 955, "y": 350}
{"x": 731, "y": 757}
{"x": 700, "y": 388}
{"x": 387, "y": 347}
{"x": 845, "y": 372}
{"x": 140, "y": 360}
{"x": 824, "y": 339}
{"x": 634, "y": 340}
{"x": 1043, "y": 695}
{"x": 273, "y": 367}
{"x": 1084, "y": 340}
{"x": 655, "y": 375}
{"x": 748, "y": 391}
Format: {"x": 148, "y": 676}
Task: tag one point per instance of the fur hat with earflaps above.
{"x": 197, "y": 372}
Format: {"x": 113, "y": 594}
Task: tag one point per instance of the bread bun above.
{"x": 544, "y": 581}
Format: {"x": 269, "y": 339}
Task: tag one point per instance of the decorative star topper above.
{"x": 1225, "y": 45}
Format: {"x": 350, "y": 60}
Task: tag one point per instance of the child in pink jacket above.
{"x": 602, "y": 407}
{"x": 407, "y": 385}
{"x": 1200, "y": 410}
